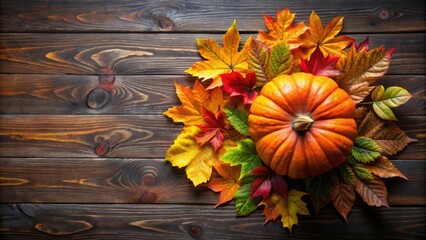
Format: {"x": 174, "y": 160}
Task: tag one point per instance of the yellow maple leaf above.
{"x": 220, "y": 60}
{"x": 276, "y": 206}
{"x": 193, "y": 102}
{"x": 324, "y": 38}
{"x": 197, "y": 160}
{"x": 282, "y": 30}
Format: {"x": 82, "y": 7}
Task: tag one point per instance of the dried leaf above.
{"x": 228, "y": 184}
{"x": 386, "y": 134}
{"x": 220, "y": 60}
{"x": 384, "y": 168}
{"x": 372, "y": 191}
{"x": 384, "y": 100}
{"x": 343, "y": 197}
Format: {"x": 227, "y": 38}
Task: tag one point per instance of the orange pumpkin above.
{"x": 303, "y": 125}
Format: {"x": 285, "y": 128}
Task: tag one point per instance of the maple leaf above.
{"x": 220, "y": 60}
{"x": 228, "y": 184}
{"x": 197, "y": 160}
{"x": 269, "y": 63}
{"x": 386, "y": 134}
{"x": 236, "y": 85}
{"x": 343, "y": 197}
{"x": 372, "y": 191}
{"x": 288, "y": 208}
{"x": 362, "y": 68}
{"x": 265, "y": 181}
{"x": 213, "y": 131}
{"x": 193, "y": 101}
{"x": 323, "y": 38}
{"x": 243, "y": 154}
{"x": 319, "y": 189}
{"x": 384, "y": 168}
{"x": 320, "y": 65}
{"x": 282, "y": 30}
{"x": 384, "y": 100}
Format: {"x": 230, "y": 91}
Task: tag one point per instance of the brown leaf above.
{"x": 343, "y": 198}
{"x": 372, "y": 191}
{"x": 384, "y": 168}
{"x": 385, "y": 133}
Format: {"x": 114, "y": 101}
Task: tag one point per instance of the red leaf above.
{"x": 236, "y": 85}
{"x": 372, "y": 191}
{"x": 265, "y": 181}
{"x": 320, "y": 65}
{"x": 363, "y": 45}
{"x": 213, "y": 131}
{"x": 261, "y": 187}
{"x": 343, "y": 197}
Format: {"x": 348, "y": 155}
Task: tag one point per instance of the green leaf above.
{"x": 243, "y": 204}
{"x": 362, "y": 172}
{"x": 365, "y": 150}
{"x": 319, "y": 189}
{"x": 384, "y": 100}
{"x": 347, "y": 174}
{"x": 280, "y": 60}
{"x": 238, "y": 119}
{"x": 243, "y": 154}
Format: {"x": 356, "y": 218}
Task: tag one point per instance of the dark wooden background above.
{"x": 83, "y": 84}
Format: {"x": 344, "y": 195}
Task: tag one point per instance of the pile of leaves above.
{"x": 215, "y": 118}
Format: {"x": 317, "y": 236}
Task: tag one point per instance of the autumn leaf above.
{"x": 197, "y": 160}
{"x": 238, "y": 119}
{"x": 360, "y": 69}
{"x": 384, "y": 100}
{"x": 319, "y": 189}
{"x": 269, "y": 63}
{"x": 386, "y": 134}
{"x": 343, "y": 197}
{"x": 325, "y": 38}
{"x": 228, "y": 184}
{"x": 384, "y": 168}
{"x": 213, "y": 131}
{"x": 266, "y": 182}
{"x": 288, "y": 208}
{"x": 365, "y": 150}
{"x": 243, "y": 154}
{"x": 282, "y": 29}
{"x": 347, "y": 174}
{"x": 320, "y": 65}
{"x": 236, "y": 85}
{"x": 244, "y": 205}
{"x": 220, "y": 60}
{"x": 362, "y": 172}
{"x": 193, "y": 101}
{"x": 372, "y": 191}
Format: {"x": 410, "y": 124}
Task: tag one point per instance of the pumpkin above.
{"x": 302, "y": 125}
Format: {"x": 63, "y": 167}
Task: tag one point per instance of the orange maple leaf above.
{"x": 324, "y": 38}
{"x": 220, "y": 60}
{"x": 228, "y": 184}
{"x": 193, "y": 101}
{"x": 282, "y": 30}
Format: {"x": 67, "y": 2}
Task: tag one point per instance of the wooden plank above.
{"x": 160, "y": 221}
{"x": 133, "y": 136}
{"x": 143, "y": 181}
{"x": 183, "y": 15}
{"x": 163, "y": 53}
{"x": 132, "y": 95}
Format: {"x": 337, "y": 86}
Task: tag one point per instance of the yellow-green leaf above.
{"x": 197, "y": 160}
{"x": 384, "y": 100}
{"x": 294, "y": 206}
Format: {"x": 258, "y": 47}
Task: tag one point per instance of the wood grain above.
{"x": 191, "y": 16}
{"x": 162, "y": 53}
{"x": 132, "y": 95}
{"x": 165, "y": 221}
{"x": 144, "y": 181}
{"x": 133, "y": 136}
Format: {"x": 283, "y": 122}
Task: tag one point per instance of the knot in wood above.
{"x": 149, "y": 179}
{"x": 97, "y": 98}
{"x": 102, "y": 148}
{"x": 165, "y": 23}
{"x": 383, "y": 14}
{"x": 148, "y": 197}
{"x": 195, "y": 231}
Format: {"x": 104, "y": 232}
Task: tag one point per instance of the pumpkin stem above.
{"x": 301, "y": 122}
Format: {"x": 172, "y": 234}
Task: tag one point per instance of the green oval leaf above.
{"x": 384, "y": 100}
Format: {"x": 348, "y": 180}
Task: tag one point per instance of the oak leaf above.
{"x": 372, "y": 191}
{"x": 343, "y": 197}
{"x": 282, "y": 29}
{"x": 386, "y": 134}
{"x": 197, "y": 160}
{"x": 228, "y": 184}
{"x": 288, "y": 209}
{"x": 384, "y": 168}
{"x": 220, "y": 60}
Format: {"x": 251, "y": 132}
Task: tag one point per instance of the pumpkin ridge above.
{"x": 315, "y": 145}
{"x": 319, "y": 102}
{"x": 283, "y": 95}
{"x": 280, "y": 164}
{"x": 277, "y": 104}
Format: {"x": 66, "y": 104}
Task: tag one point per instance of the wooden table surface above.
{"x": 83, "y": 84}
